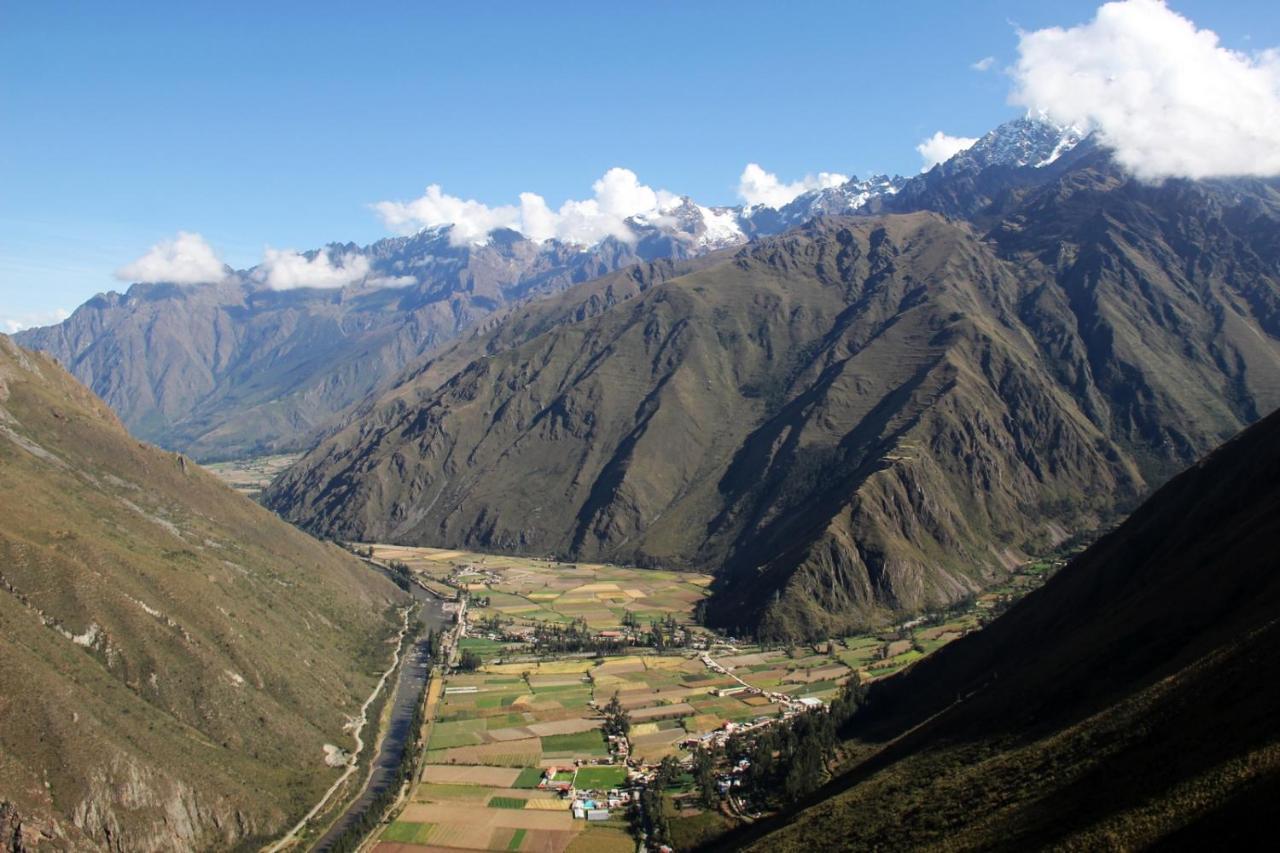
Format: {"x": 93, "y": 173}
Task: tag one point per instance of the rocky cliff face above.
{"x": 173, "y": 658}
{"x": 859, "y": 418}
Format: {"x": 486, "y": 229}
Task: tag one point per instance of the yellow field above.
{"x": 531, "y": 590}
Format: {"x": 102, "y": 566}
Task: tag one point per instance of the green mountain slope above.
{"x": 1129, "y": 703}
{"x": 173, "y": 658}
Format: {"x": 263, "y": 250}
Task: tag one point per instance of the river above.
{"x": 412, "y": 682}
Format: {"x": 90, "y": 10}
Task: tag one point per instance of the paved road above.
{"x": 412, "y": 682}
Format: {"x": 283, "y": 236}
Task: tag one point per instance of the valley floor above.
{"x": 516, "y": 756}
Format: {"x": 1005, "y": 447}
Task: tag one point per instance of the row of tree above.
{"x": 789, "y": 761}
{"x": 650, "y": 816}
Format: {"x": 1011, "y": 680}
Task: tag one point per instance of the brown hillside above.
{"x": 172, "y": 657}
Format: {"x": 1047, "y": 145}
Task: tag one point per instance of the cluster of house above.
{"x": 527, "y": 634}
{"x": 732, "y": 779}
{"x": 720, "y": 736}
{"x": 592, "y": 806}
{"x": 587, "y": 804}
{"x": 463, "y": 574}
{"x": 619, "y": 748}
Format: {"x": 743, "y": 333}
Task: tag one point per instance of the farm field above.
{"x": 507, "y": 735}
{"x": 525, "y": 591}
{"x": 251, "y": 476}
{"x": 500, "y": 736}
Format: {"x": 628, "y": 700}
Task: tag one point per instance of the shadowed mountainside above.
{"x": 173, "y": 657}
{"x": 1129, "y": 703}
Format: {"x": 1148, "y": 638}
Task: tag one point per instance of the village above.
{"x": 583, "y": 709}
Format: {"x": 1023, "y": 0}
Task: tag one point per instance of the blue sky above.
{"x": 277, "y": 124}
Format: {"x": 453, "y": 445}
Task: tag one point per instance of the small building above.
{"x": 597, "y": 814}
{"x": 812, "y": 702}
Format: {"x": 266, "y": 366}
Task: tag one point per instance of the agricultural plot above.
{"x": 250, "y": 476}
{"x": 527, "y": 591}
{"x": 498, "y": 718}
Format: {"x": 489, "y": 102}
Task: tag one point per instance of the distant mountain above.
{"x": 858, "y": 418}
{"x": 237, "y": 368}
{"x": 1016, "y": 155}
{"x": 1130, "y": 703}
{"x": 173, "y": 657}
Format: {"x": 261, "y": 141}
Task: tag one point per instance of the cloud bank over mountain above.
{"x": 618, "y": 194}
{"x": 285, "y": 269}
{"x": 186, "y": 259}
{"x": 758, "y": 187}
{"x": 941, "y": 147}
{"x": 11, "y": 323}
{"x": 1167, "y": 96}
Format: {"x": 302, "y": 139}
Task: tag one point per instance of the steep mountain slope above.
{"x": 1129, "y": 703}
{"x": 863, "y": 416}
{"x": 173, "y": 658}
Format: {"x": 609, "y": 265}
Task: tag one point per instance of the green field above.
{"x": 529, "y": 778}
{"x": 407, "y": 833}
{"x": 526, "y": 591}
{"x": 506, "y": 803}
{"x": 586, "y": 742}
{"x": 600, "y": 778}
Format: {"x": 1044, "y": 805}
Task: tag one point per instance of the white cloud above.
{"x": 186, "y": 259}
{"x": 1165, "y": 95}
{"x": 471, "y": 220}
{"x": 11, "y": 323}
{"x": 285, "y": 269}
{"x": 984, "y": 64}
{"x": 940, "y": 148}
{"x": 756, "y": 186}
{"x": 618, "y": 195}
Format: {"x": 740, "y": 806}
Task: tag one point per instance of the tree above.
{"x": 470, "y": 661}
{"x": 806, "y": 771}
{"x": 616, "y": 719}
{"x": 668, "y": 773}
{"x": 704, "y": 763}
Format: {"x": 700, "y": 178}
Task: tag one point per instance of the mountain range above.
{"x": 861, "y": 417}
{"x": 1129, "y": 703}
{"x": 236, "y": 368}
{"x": 873, "y": 400}
{"x": 173, "y": 657}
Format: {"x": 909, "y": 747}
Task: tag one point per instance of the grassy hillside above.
{"x": 1130, "y": 702}
{"x": 172, "y": 657}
